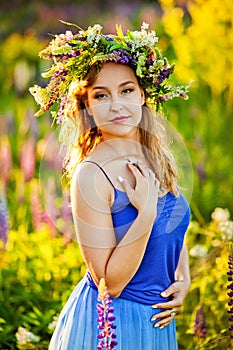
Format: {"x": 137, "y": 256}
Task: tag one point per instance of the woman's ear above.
{"x": 142, "y": 97}
{"x": 88, "y": 108}
{"x": 89, "y": 111}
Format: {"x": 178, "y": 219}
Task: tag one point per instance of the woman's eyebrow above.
{"x": 98, "y": 87}
{"x": 127, "y": 82}
{"x": 105, "y": 87}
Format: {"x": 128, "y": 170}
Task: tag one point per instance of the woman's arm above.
{"x": 182, "y": 271}
{"x": 91, "y": 202}
{"x": 177, "y": 291}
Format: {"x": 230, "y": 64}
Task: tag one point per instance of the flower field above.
{"x": 40, "y": 259}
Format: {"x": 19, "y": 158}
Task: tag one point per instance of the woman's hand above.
{"x": 146, "y": 189}
{"x": 177, "y": 291}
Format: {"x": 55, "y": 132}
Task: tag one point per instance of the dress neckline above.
{"x": 118, "y": 191}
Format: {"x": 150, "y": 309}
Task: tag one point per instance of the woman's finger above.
{"x": 125, "y": 184}
{"x": 165, "y": 314}
{"x": 143, "y": 169}
{"x": 164, "y": 318}
{"x": 162, "y": 325}
{"x": 168, "y": 305}
{"x": 137, "y": 172}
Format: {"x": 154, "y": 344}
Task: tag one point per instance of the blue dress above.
{"x": 77, "y": 327}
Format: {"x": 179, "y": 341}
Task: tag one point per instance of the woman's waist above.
{"x": 89, "y": 280}
{"x": 146, "y": 295}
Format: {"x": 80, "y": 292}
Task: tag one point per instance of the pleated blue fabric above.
{"x": 77, "y": 327}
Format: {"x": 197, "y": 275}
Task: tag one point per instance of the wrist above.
{"x": 148, "y": 216}
{"x": 146, "y": 220}
{"x": 148, "y": 210}
{"x": 186, "y": 283}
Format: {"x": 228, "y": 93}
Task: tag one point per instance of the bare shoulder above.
{"x": 91, "y": 209}
{"x": 83, "y": 176}
{"x": 89, "y": 181}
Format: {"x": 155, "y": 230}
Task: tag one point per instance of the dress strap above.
{"x": 104, "y": 172}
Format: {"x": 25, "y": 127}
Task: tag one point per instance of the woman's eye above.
{"x": 100, "y": 96}
{"x": 127, "y": 91}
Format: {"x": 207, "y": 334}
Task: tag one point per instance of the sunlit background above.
{"x": 40, "y": 263}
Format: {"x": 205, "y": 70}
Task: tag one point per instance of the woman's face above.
{"x": 114, "y": 100}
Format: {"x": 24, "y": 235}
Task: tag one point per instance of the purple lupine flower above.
{"x": 53, "y": 86}
{"x": 4, "y": 220}
{"x": 201, "y": 172}
{"x": 200, "y": 324}
{"x": 33, "y": 122}
{"x": 60, "y": 113}
{"x": 105, "y": 311}
{"x": 230, "y": 287}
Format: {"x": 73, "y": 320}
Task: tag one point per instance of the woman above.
{"x": 129, "y": 214}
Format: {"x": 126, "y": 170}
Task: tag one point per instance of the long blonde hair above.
{"x": 152, "y": 135}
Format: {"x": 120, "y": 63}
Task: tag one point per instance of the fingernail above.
{"x": 153, "y": 318}
{"x": 156, "y": 325}
{"x": 161, "y": 327}
{"x": 154, "y": 306}
{"x": 163, "y": 294}
{"x": 120, "y": 179}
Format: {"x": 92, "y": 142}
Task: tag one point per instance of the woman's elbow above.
{"x": 114, "y": 295}
{"x": 114, "y": 292}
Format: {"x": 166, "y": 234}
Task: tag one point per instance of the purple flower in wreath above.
{"x": 120, "y": 56}
{"x": 164, "y": 74}
{"x": 105, "y": 311}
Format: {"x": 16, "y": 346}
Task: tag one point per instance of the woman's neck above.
{"x": 122, "y": 148}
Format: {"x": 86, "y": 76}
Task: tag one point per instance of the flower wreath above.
{"x": 74, "y": 54}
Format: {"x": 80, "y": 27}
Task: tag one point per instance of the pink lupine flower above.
{"x": 5, "y": 159}
{"x": 38, "y": 214}
{"x": 51, "y": 209}
{"x": 105, "y": 310}
{"x": 67, "y": 228}
{"x": 28, "y": 158}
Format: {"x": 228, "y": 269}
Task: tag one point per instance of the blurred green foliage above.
{"x": 209, "y": 254}
{"x": 198, "y": 37}
{"x": 37, "y": 274}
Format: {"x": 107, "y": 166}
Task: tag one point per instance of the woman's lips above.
{"x": 120, "y": 119}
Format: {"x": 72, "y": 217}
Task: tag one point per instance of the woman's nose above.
{"x": 116, "y": 103}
